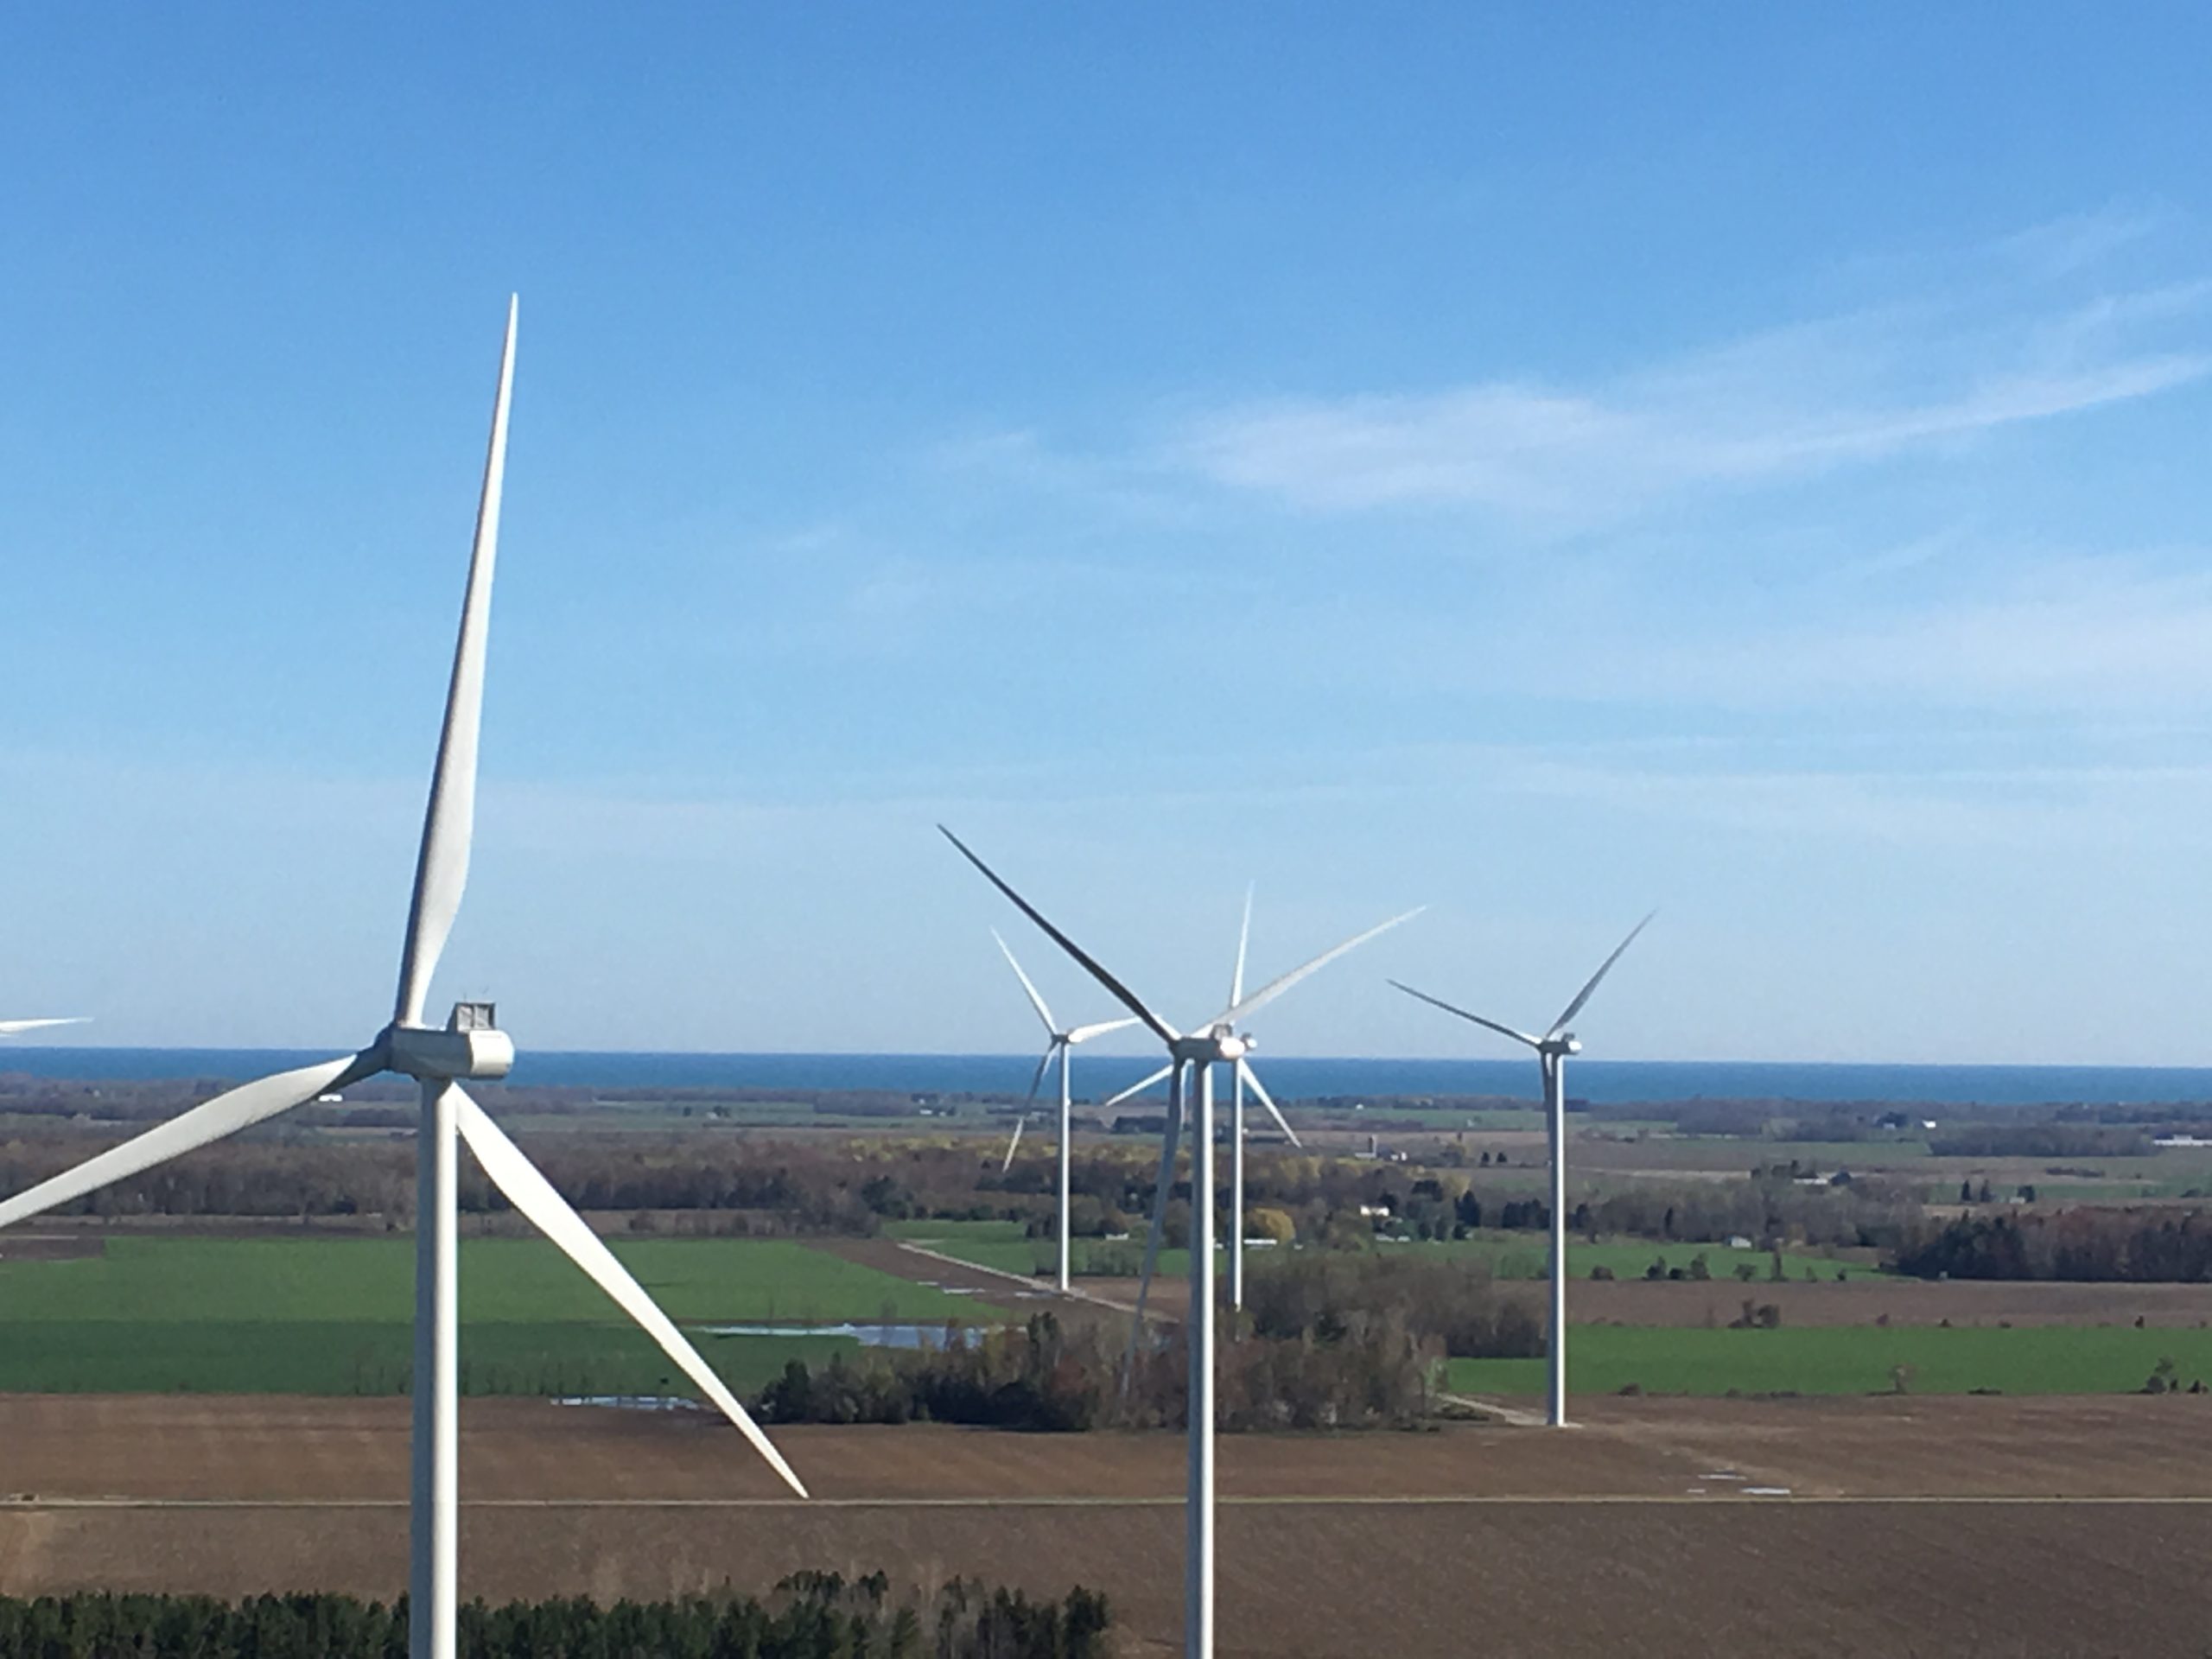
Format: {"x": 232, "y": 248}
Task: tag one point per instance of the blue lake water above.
{"x": 1611, "y": 1082}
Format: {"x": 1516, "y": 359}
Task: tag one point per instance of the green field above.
{"x": 1851, "y": 1359}
{"x": 1004, "y": 1245}
{"x": 327, "y": 1357}
{"x": 1739, "y": 1154}
{"x": 321, "y": 1316}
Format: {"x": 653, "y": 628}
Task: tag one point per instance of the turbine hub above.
{"x": 471, "y": 1045}
{"x": 1569, "y": 1043}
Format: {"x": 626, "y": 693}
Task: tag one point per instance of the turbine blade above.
{"x": 1036, "y": 997}
{"x": 1244, "y": 1070}
{"x": 1122, "y": 994}
{"x": 1037, "y": 1079}
{"x": 1085, "y": 1033}
{"x": 1012, "y": 1144}
{"x": 1492, "y": 1025}
{"x": 1165, "y": 1184}
{"x": 1275, "y": 987}
{"x": 449, "y": 822}
{"x": 239, "y": 1109}
{"x": 9, "y": 1027}
{"x": 533, "y": 1195}
{"x": 1243, "y": 944}
{"x": 1604, "y": 968}
{"x": 1160, "y": 1075}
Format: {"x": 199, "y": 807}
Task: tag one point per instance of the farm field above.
{"x": 1868, "y": 1298}
{"x": 1004, "y": 1246}
{"x": 334, "y": 1316}
{"x": 1525, "y": 1255}
{"x": 1983, "y": 1527}
{"x": 1839, "y": 1360}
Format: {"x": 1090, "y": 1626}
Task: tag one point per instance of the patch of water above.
{"x": 632, "y": 1401}
{"x": 868, "y": 1336}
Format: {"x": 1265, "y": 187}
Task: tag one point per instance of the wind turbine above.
{"x": 9, "y": 1027}
{"x": 1197, "y": 1052}
{"x": 1243, "y": 1074}
{"x": 1057, "y": 1042}
{"x": 1552, "y": 1050}
{"x": 470, "y": 1046}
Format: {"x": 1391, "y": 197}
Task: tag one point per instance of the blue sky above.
{"x": 1541, "y": 464}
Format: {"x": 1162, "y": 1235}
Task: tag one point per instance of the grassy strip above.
{"x": 523, "y": 1282}
{"x": 330, "y": 1358}
{"x": 1851, "y": 1359}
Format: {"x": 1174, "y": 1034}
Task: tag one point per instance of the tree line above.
{"x": 1324, "y": 1342}
{"x": 2132, "y": 1246}
{"x": 811, "y": 1616}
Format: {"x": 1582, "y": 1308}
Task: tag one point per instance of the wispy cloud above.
{"x": 2066, "y": 634}
{"x": 1777, "y": 405}
{"x": 2093, "y": 805}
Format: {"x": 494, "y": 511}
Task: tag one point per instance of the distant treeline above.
{"x": 2039, "y": 1141}
{"x": 811, "y": 1616}
{"x": 1044, "y": 1377}
{"x": 2134, "y": 1246}
{"x": 846, "y": 1184}
{"x": 1768, "y": 1209}
{"x": 1849, "y": 1120}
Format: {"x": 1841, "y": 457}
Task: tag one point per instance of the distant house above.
{"x": 2181, "y": 1140}
{"x": 1738, "y": 1241}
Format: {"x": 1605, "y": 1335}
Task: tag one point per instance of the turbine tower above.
{"x": 1193, "y": 1055}
{"x": 1057, "y": 1042}
{"x": 470, "y": 1046}
{"x": 1552, "y": 1050}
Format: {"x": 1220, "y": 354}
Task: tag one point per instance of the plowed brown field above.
{"x": 1952, "y": 1526}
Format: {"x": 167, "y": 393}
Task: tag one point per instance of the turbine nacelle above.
{"x": 471, "y": 1045}
{"x": 1220, "y": 1043}
{"x": 1564, "y": 1043}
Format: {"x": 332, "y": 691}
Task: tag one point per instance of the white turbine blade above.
{"x": 1012, "y": 1145}
{"x": 1275, "y": 987}
{"x": 1036, "y": 996}
{"x": 240, "y": 1109}
{"x": 1085, "y": 1033}
{"x": 1491, "y": 1025}
{"x": 1165, "y": 1186}
{"x": 1604, "y": 968}
{"x": 441, "y": 868}
{"x": 533, "y": 1195}
{"x": 1244, "y": 945}
{"x": 1160, "y": 1075}
{"x": 1267, "y": 1100}
{"x": 9, "y": 1027}
{"x": 1122, "y": 994}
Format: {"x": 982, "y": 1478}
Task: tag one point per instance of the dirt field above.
{"x": 1955, "y": 1526}
{"x": 1865, "y": 1300}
